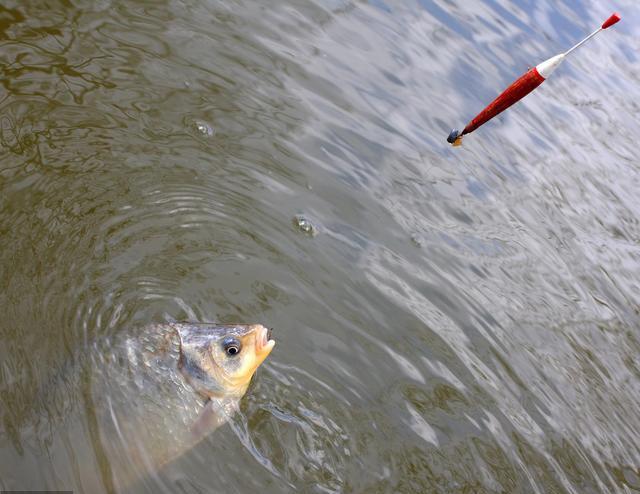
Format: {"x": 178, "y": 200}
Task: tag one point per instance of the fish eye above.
{"x": 231, "y": 346}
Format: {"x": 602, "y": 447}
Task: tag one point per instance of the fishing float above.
{"x": 523, "y": 86}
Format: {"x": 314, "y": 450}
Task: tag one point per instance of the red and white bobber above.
{"x": 522, "y": 86}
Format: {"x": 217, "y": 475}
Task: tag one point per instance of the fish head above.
{"x": 220, "y": 360}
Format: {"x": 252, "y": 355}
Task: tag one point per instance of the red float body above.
{"x": 523, "y": 86}
{"x": 516, "y": 91}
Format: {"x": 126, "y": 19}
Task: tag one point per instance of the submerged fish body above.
{"x": 156, "y": 394}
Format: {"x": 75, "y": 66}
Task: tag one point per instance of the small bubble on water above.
{"x": 416, "y": 240}
{"x": 203, "y": 128}
{"x": 304, "y": 225}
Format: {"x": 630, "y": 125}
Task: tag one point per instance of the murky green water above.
{"x": 448, "y": 320}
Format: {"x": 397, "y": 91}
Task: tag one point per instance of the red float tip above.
{"x": 615, "y": 17}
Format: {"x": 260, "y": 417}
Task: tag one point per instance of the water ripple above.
{"x": 466, "y": 320}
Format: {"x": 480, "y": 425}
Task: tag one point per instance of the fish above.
{"x": 152, "y": 396}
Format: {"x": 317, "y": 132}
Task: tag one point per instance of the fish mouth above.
{"x": 264, "y": 343}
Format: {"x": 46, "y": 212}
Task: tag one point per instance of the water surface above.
{"x": 459, "y": 320}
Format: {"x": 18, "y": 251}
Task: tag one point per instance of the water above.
{"x": 460, "y": 320}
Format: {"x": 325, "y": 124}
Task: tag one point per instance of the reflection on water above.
{"x": 465, "y": 320}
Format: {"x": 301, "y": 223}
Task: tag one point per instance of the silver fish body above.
{"x": 146, "y": 398}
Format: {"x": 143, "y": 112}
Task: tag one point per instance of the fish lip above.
{"x": 263, "y": 339}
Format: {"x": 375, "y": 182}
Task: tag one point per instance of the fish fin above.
{"x": 213, "y": 415}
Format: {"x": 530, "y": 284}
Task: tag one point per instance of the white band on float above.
{"x": 548, "y": 66}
